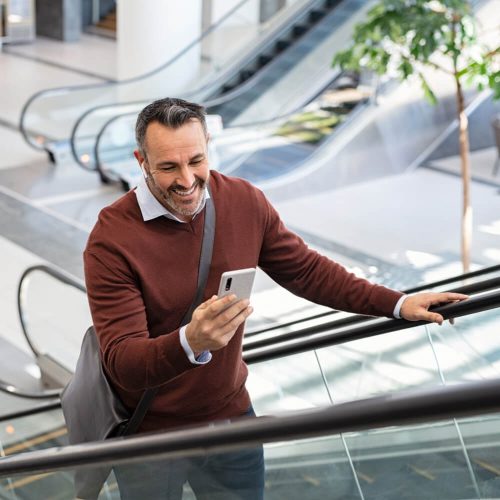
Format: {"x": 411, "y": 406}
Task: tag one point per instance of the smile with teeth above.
{"x": 184, "y": 192}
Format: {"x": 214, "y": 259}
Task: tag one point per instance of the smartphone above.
{"x": 239, "y": 282}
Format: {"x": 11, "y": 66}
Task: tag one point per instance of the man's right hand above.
{"x": 214, "y": 322}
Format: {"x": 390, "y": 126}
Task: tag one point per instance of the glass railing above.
{"x": 438, "y": 443}
{"x": 50, "y": 115}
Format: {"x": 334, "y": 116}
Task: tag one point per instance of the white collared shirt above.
{"x": 151, "y": 209}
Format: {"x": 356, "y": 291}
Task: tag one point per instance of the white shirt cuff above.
{"x": 202, "y": 359}
{"x": 399, "y": 304}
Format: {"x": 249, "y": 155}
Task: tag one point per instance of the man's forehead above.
{"x": 189, "y": 138}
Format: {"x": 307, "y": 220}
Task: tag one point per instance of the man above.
{"x": 141, "y": 266}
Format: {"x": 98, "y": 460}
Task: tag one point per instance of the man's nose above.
{"x": 186, "y": 177}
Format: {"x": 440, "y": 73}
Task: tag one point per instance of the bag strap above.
{"x": 203, "y": 270}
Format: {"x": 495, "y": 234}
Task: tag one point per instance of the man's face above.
{"x": 176, "y": 166}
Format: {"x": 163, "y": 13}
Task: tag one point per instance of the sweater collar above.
{"x": 151, "y": 208}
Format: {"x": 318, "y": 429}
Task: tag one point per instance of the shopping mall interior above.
{"x": 362, "y": 167}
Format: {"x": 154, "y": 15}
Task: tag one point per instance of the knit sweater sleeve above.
{"x": 133, "y": 360}
{"x": 286, "y": 258}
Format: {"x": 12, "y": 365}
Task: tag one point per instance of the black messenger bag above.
{"x": 92, "y": 409}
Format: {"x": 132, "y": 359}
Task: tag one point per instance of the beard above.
{"x": 171, "y": 198}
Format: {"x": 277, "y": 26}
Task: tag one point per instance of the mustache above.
{"x": 198, "y": 182}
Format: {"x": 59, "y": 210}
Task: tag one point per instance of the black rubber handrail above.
{"x": 395, "y": 409}
{"x": 72, "y": 281}
{"x": 42, "y": 408}
{"x": 60, "y": 90}
{"x": 318, "y": 337}
{"x": 479, "y": 287}
{"x": 62, "y": 276}
{"x": 419, "y": 288}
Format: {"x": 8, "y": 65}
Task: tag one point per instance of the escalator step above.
{"x": 245, "y": 74}
{"x": 281, "y": 45}
{"x": 315, "y": 15}
{"x": 226, "y": 88}
{"x": 263, "y": 60}
{"x": 330, "y": 3}
{"x": 298, "y": 30}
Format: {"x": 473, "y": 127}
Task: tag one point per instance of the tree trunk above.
{"x": 463, "y": 137}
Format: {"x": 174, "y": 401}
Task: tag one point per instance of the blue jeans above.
{"x": 237, "y": 475}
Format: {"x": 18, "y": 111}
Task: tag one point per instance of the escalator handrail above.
{"x": 35, "y": 410}
{"x": 419, "y": 288}
{"x": 280, "y": 349}
{"x": 320, "y": 336}
{"x": 12, "y": 390}
{"x": 352, "y": 320}
{"x": 263, "y": 42}
{"x": 73, "y": 281}
{"x": 57, "y": 273}
{"x": 395, "y": 409}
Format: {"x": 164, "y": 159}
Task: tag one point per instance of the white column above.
{"x": 149, "y": 33}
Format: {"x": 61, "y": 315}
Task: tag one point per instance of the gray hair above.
{"x": 170, "y": 112}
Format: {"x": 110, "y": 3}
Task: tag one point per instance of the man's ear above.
{"x": 140, "y": 159}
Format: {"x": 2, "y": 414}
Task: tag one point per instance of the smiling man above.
{"x": 176, "y": 165}
{"x": 141, "y": 270}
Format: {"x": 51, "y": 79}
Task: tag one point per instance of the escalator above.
{"x": 297, "y": 79}
{"x": 49, "y": 116}
{"x": 312, "y": 149}
{"x": 103, "y": 138}
{"x": 303, "y": 374}
{"x": 303, "y": 69}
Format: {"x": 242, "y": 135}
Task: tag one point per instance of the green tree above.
{"x": 406, "y": 36}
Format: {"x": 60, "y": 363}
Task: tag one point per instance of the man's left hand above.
{"x": 416, "y": 307}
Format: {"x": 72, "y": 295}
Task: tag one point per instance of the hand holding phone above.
{"x": 238, "y": 282}
{"x": 215, "y": 321}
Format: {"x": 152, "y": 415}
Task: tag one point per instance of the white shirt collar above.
{"x": 151, "y": 208}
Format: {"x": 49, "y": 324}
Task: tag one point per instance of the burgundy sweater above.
{"x": 141, "y": 278}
